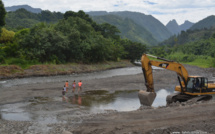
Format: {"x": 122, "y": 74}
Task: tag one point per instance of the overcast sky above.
{"x": 163, "y": 10}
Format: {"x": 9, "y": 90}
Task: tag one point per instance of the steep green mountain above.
{"x": 26, "y": 7}
{"x": 205, "y": 23}
{"x": 154, "y": 26}
{"x": 128, "y": 28}
{"x": 174, "y": 28}
{"x": 189, "y": 36}
{"x": 22, "y": 18}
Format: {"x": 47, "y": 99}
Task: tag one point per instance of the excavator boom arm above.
{"x": 166, "y": 64}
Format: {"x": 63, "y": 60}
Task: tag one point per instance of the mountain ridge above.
{"x": 143, "y": 28}
{"x": 27, "y": 7}
{"x": 175, "y": 29}
{"x": 128, "y": 28}
{"x": 154, "y": 26}
{"x": 207, "y": 22}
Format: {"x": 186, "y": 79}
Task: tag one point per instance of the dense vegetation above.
{"x": 151, "y": 24}
{"x": 208, "y": 23}
{"x": 74, "y": 38}
{"x": 22, "y": 18}
{"x": 195, "y": 47}
{"x": 53, "y": 37}
{"x": 189, "y": 36}
{"x": 128, "y": 28}
{"x": 140, "y": 25}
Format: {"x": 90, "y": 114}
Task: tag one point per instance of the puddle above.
{"x": 16, "y": 116}
{"x": 98, "y": 101}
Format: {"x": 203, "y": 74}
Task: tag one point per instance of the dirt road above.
{"x": 195, "y": 118}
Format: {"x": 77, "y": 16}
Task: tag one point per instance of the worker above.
{"x": 79, "y": 86}
{"x": 197, "y": 84}
{"x": 67, "y": 85}
{"x": 73, "y": 86}
{"x": 63, "y": 92}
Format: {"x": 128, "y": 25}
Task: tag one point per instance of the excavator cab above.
{"x": 197, "y": 84}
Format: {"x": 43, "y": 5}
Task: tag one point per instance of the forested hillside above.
{"x": 22, "y": 18}
{"x": 128, "y": 29}
{"x": 74, "y": 38}
{"x": 208, "y": 22}
{"x": 148, "y": 22}
{"x": 54, "y": 37}
{"x": 195, "y": 47}
{"x": 189, "y": 36}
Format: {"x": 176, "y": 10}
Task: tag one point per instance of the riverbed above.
{"x": 108, "y": 103}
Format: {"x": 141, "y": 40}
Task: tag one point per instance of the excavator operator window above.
{"x": 190, "y": 84}
{"x": 204, "y": 84}
{"x": 197, "y": 83}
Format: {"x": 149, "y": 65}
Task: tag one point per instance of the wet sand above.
{"x": 198, "y": 117}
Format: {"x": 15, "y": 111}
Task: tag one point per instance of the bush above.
{"x": 213, "y": 62}
{"x": 180, "y": 57}
{"x": 2, "y": 59}
{"x": 21, "y": 62}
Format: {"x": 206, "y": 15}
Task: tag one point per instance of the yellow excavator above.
{"x": 189, "y": 86}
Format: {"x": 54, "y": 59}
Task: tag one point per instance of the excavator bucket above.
{"x": 146, "y": 98}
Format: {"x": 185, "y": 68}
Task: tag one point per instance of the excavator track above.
{"x": 184, "y": 97}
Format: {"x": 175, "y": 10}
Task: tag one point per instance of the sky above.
{"x": 163, "y": 10}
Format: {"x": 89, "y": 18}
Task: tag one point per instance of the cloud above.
{"x": 163, "y": 10}
{"x": 150, "y": 3}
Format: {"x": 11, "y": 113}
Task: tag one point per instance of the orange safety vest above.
{"x": 66, "y": 84}
{"x": 79, "y": 84}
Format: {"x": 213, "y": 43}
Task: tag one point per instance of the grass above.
{"x": 202, "y": 62}
{"x": 195, "y": 60}
{"x": 24, "y": 64}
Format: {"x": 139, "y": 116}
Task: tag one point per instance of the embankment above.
{"x": 14, "y": 71}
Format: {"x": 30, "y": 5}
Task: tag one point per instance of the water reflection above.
{"x": 101, "y": 100}
{"x": 76, "y": 99}
{"x": 97, "y": 101}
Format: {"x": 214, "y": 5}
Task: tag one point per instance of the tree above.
{"x": 134, "y": 50}
{"x": 45, "y": 44}
{"x": 69, "y": 14}
{"x": 2, "y": 15}
{"x": 6, "y": 36}
{"x": 110, "y": 31}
